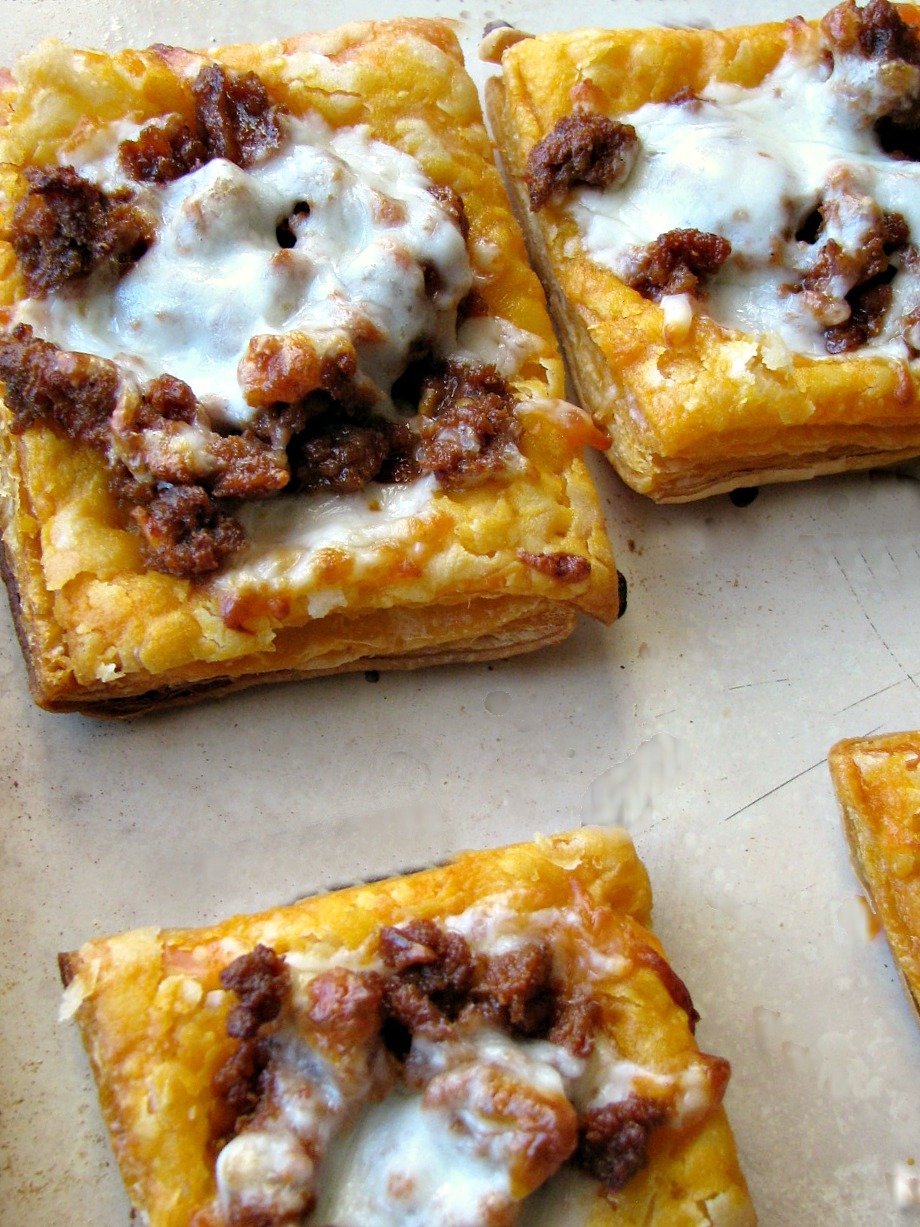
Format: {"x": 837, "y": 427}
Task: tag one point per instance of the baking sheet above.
{"x": 755, "y": 637}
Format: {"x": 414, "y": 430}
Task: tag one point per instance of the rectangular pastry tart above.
{"x": 281, "y": 394}
{"x": 727, "y": 224}
{"x": 495, "y": 1041}
{"x": 878, "y": 785}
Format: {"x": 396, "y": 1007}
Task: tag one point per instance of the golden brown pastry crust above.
{"x": 153, "y": 1018}
{"x": 102, "y": 633}
{"x": 878, "y": 786}
{"x": 717, "y": 409}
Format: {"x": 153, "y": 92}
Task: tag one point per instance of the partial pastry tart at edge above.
{"x": 727, "y": 225}
{"x": 877, "y": 780}
{"x": 281, "y": 394}
{"x": 496, "y": 1041}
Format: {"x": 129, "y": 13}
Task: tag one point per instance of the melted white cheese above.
{"x": 286, "y": 534}
{"x": 406, "y": 1162}
{"x": 264, "y": 1168}
{"x": 490, "y": 339}
{"x": 216, "y": 276}
{"x": 750, "y": 165}
{"x": 547, "y": 1066}
{"x": 402, "y": 1166}
{"x": 497, "y": 927}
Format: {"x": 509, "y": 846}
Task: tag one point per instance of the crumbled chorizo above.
{"x": 438, "y": 960}
{"x": 584, "y": 147}
{"x": 613, "y": 1139}
{"x": 339, "y": 456}
{"x": 414, "y": 1013}
{"x": 245, "y": 468}
{"x": 889, "y": 234}
{"x": 185, "y": 533}
{"x": 75, "y": 392}
{"x": 886, "y": 234}
{"x": 278, "y": 424}
{"x": 575, "y": 1020}
{"x": 676, "y": 989}
{"x": 876, "y": 31}
{"x": 414, "y": 945}
{"x": 127, "y": 490}
{"x": 163, "y": 152}
{"x": 151, "y": 438}
{"x": 452, "y": 204}
{"x": 345, "y": 1007}
{"x": 432, "y": 972}
{"x": 833, "y": 270}
{"x": 514, "y": 990}
{"x": 236, "y": 116}
{"x": 849, "y": 291}
{"x": 868, "y": 305}
{"x": 677, "y": 262}
{"x": 568, "y": 568}
{"x": 239, "y": 1086}
{"x": 400, "y": 465}
{"x": 339, "y": 377}
{"x": 165, "y": 399}
{"x": 262, "y": 981}
{"x": 468, "y": 424}
{"x": 65, "y": 227}
{"x": 234, "y": 119}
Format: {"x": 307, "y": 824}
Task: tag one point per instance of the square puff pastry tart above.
{"x": 494, "y": 1041}
{"x": 727, "y": 225}
{"x": 878, "y": 786}
{"x": 281, "y": 393}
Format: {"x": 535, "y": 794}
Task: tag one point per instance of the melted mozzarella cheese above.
{"x": 750, "y": 164}
{"x": 546, "y": 1066}
{"x": 496, "y": 928}
{"x": 286, "y": 534}
{"x": 216, "y": 276}
{"x": 408, "y": 1163}
{"x": 492, "y": 340}
{"x": 402, "y": 1166}
{"x": 264, "y": 1170}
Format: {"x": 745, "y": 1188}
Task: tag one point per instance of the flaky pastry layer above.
{"x": 714, "y": 409}
{"x": 878, "y": 786}
{"x": 153, "y": 1018}
{"x": 103, "y": 633}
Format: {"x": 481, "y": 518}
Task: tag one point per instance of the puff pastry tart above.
{"x": 495, "y": 1041}
{"x": 727, "y": 224}
{"x": 878, "y": 785}
{"x": 281, "y": 395}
